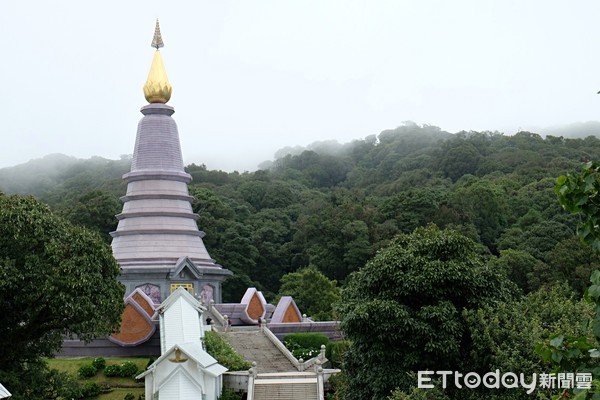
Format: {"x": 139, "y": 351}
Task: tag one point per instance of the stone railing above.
{"x": 301, "y": 365}
{"x": 220, "y": 319}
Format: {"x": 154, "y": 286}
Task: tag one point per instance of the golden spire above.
{"x": 157, "y": 88}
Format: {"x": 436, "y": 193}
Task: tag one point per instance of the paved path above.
{"x": 254, "y": 346}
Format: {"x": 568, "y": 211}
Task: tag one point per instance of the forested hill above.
{"x": 334, "y": 205}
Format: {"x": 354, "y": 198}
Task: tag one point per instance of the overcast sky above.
{"x": 252, "y": 76}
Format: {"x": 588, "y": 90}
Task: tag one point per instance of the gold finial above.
{"x": 157, "y": 88}
{"x": 157, "y": 40}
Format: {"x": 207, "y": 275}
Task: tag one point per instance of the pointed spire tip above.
{"x": 157, "y": 41}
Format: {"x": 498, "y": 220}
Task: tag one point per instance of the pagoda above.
{"x": 157, "y": 242}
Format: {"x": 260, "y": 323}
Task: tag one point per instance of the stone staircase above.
{"x": 274, "y": 376}
{"x": 285, "y": 386}
{"x": 254, "y": 346}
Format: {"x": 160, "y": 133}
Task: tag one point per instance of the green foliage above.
{"x": 55, "y": 279}
{"x": 577, "y": 351}
{"x": 34, "y": 381}
{"x": 151, "y": 361}
{"x": 334, "y": 205}
{"x": 579, "y": 193}
{"x": 414, "y": 207}
{"x": 523, "y": 269}
{"x": 112, "y": 371}
{"x": 99, "y": 363}
{"x": 224, "y": 353}
{"x": 573, "y": 261}
{"x": 313, "y": 293}
{"x": 129, "y": 396}
{"x": 335, "y": 352}
{"x": 91, "y": 389}
{"x": 504, "y": 335}
{"x": 419, "y": 394}
{"x": 87, "y": 371}
{"x": 339, "y": 384}
{"x": 305, "y": 345}
{"x": 403, "y": 311}
{"x": 460, "y": 158}
{"x": 228, "y": 394}
{"x": 129, "y": 369}
{"x": 95, "y": 210}
{"x": 307, "y": 340}
{"x": 483, "y": 204}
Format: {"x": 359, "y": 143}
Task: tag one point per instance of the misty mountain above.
{"x": 574, "y": 130}
{"x": 45, "y": 177}
{"x": 56, "y": 175}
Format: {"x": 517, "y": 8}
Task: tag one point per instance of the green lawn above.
{"x": 121, "y": 386}
{"x": 119, "y": 393}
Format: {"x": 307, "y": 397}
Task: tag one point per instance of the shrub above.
{"x": 335, "y": 352}
{"x": 304, "y": 354}
{"x": 129, "y": 369}
{"x": 222, "y": 351}
{"x": 112, "y": 370}
{"x": 305, "y": 345}
{"x": 305, "y": 340}
{"x": 129, "y": 396}
{"x": 150, "y": 362}
{"x": 419, "y": 394}
{"x": 229, "y": 394}
{"x": 99, "y": 363}
{"x": 87, "y": 371}
{"x": 91, "y": 389}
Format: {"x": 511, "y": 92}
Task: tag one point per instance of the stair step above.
{"x": 254, "y": 346}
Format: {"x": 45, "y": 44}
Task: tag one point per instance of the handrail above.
{"x": 271, "y": 336}
{"x": 213, "y": 310}
{"x": 301, "y": 366}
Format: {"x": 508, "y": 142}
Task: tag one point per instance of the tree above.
{"x": 413, "y": 207}
{"x": 459, "y": 158}
{"x": 482, "y": 203}
{"x": 402, "y": 311}
{"x": 505, "y": 335}
{"x": 526, "y": 271}
{"x": 55, "y": 279}
{"x": 313, "y": 293}
{"x": 573, "y": 261}
{"x": 95, "y": 210}
{"x": 578, "y": 194}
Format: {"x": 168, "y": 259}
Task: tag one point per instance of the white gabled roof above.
{"x": 194, "y": 352}
{"x": 176, "y": 295}
{"x": 180, "y": 319}
{"x": 3, "y": 392}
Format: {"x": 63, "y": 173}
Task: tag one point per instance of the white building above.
{"x": 184, "y": 370}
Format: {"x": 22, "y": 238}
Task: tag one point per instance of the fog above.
{"x": 250, "y": 78}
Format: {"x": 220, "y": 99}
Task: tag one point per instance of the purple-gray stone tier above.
{"x": 157, "y": 142}
{"x": 157, "y": 226}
